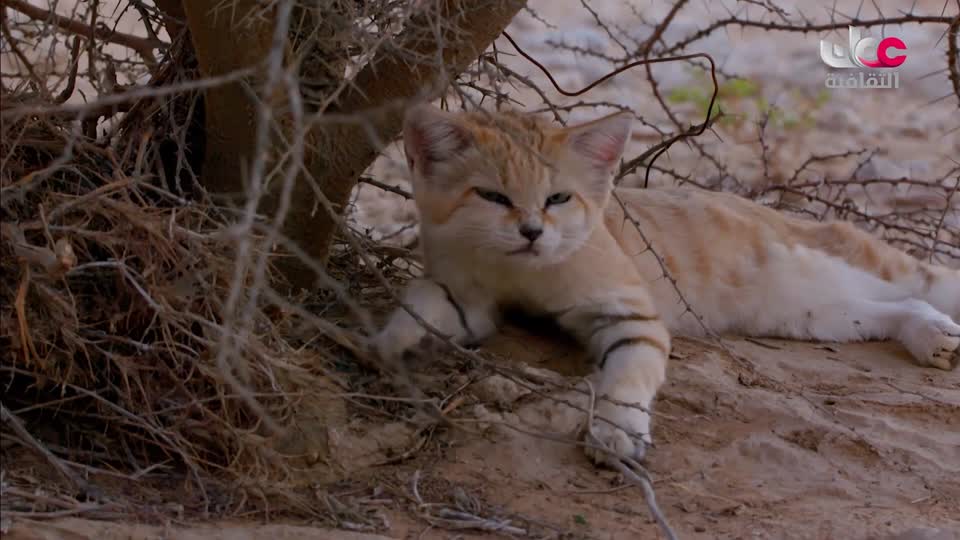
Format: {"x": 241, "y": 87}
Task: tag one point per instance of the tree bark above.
{"x": 338, "y": 153}
{"x": 230, "y": 111}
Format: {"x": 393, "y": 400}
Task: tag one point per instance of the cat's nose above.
{"x": 530, "y": 232}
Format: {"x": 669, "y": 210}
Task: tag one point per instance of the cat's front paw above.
{"x": 390, "y": 347}
{"x": 934, "y": 341}
{"x": 630, "y": 437}
{"x": 400, "y": 334}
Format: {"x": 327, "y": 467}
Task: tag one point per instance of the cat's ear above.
{"x": 602, "y": 141}
{"x": 431, "y": 137}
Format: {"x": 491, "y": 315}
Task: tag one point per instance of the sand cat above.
{"x": 516, "y": 212}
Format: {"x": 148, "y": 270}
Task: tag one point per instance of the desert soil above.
{"x": 786, "y": 441}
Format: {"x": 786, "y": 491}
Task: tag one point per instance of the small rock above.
{"x": 499, "y": 390}
{"x": 483, "y": 414}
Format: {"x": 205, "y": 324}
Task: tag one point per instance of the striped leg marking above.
{"x": 437, "y": 305}
{"x": 631, "y": 349}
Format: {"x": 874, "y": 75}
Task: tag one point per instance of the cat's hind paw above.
{"x": 934, "y": 341}
{"x": 947, "y": 355}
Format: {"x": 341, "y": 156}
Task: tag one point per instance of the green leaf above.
{"x": 823, "y": 96}
{"x": 739, "y": 88}
{"x": 685, "y": 94}
{"x": 763, "y": 105}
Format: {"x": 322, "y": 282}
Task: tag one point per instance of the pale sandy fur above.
{"x": 482, "y": 181}
{"x": 750, "y": 270}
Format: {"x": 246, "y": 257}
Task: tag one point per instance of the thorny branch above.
{"x": 953, "y": 57}
{"x": 143, "y": 46}
{"x": 663, "y": 146}
{"x": 803, "y": 28}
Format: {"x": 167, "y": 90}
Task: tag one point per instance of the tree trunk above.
{"x": 223, "y": 47}
{"x": 338, "y": 152}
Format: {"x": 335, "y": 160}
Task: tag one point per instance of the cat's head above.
{"x": 508, "y": 186}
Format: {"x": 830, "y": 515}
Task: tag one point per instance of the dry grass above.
{"x": 112, "y": 289}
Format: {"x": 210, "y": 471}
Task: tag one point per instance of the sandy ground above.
{"x": 791, "y": 441}
{"x": 788, "y": 441}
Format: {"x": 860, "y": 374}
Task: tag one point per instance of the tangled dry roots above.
{"x": 109, "y": 295}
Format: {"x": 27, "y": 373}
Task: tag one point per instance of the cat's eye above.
{"x": 494, "y": 196}
{"x": 558, "y": 198}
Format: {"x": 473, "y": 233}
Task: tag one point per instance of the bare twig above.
{"x": 17, "y": 426}
{"x": 953, "y": 56}
{"x": 629, "y": 468}
{"x": 72, "y": 76}
{"x": 143, "y": 46}
{"x": 663, "y": 146}
{"x": 386, "y": 187}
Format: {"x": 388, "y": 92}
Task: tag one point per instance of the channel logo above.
{"x": 864, "y": 52}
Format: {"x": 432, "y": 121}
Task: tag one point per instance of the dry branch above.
{"x": 953, "y": 56}
{"x": 143, "y": 46}
{"x": 806, "y": 27}
{"x": 434, "y": 47}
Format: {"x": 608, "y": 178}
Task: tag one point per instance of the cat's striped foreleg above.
{"x": 631, "y": 346}
{"x": 463, "y": 320}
